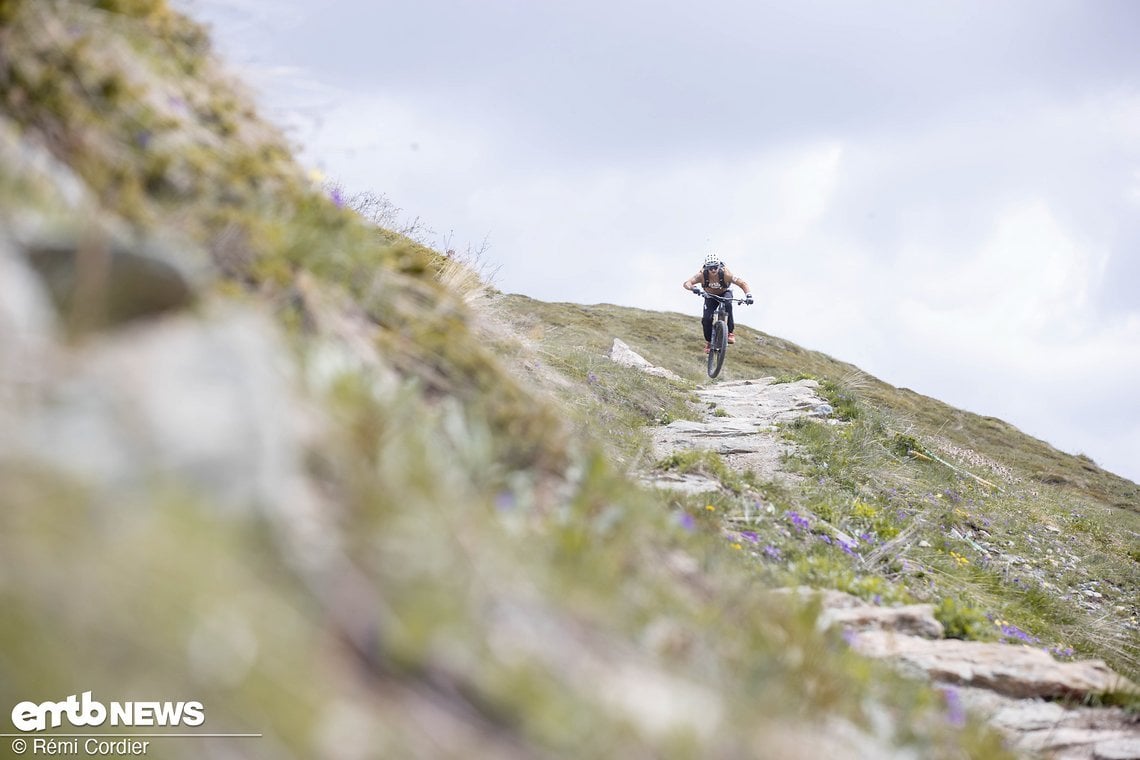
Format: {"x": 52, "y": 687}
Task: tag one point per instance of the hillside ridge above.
{"x": 660, "y": 337}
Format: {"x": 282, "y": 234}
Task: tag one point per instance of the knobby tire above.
{"x": 717, "y": 348}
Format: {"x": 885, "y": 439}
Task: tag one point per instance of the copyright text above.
{"x": 92, "y": 747}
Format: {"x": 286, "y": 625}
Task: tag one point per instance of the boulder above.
{"x": 620, "y": 353}
{"x": 96, "y": 284}
{"x": 200, "y": 402}
{"x": 1016, "y": 671}
{"x": 1058, "y": 731}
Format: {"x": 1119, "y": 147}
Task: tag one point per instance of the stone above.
{"x": 1016, "y": 671}
{"x": 95, "y": 283}
{"x": 202, "y": 402}
{"x": 621, "y": 353}
{"x": 911, "y": 619}
{"x": 688, "y": 482}
{"x": 1124, "y": 748}
{"x": 838, "y": 608}
{"x": 1060, "y": 732}
{"x": 823, "y": 410}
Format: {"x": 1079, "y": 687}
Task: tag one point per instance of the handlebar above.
{"x": 722, "y": 299}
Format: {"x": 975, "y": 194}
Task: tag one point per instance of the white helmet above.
{"x": 712, "y": 260}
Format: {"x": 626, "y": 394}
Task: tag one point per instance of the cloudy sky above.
{"x": 945, "y": 194}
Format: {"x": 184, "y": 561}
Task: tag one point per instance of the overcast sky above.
{"x": 944, "y": 194}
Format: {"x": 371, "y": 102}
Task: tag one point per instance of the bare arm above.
{"x": 689, "y": 283}
{"x": 739, "y": 281}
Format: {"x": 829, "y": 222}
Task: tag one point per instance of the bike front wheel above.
{"x": 717, "y": 347}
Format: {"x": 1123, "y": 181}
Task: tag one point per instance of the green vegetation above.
{"x": 713, "y": 465}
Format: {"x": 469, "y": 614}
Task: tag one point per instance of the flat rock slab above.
{"x": 1056, "y": 731}
{"x": 852, "y": 614}
{"x": 1016, "y": 671}
{"x": 688, "y": 482}
{"x": 723, "y": 435}
{"x": 912, "y": 620}
{"x": 765, "y": 400}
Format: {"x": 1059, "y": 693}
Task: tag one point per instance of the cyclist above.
{"x": 717, "y": 279}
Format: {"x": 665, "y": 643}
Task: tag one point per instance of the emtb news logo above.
{"x": 81, "y": 710}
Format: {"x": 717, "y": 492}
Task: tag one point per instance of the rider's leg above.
{"x": 731, "y": 321}
{"x": 707, "y": 319}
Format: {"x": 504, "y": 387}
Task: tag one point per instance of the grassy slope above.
{"x": 671, "y": 340}
{"x": 1050, "y": 553}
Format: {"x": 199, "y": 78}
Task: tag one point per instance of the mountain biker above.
{"x": 716, "y": 279}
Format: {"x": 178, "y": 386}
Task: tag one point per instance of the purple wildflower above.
{"x": 798, "y": 520}
{"x": 772, "y": 551}
{"x": 825, "y": 538}
{"x": 1011, "y": 631}
{"x": 337, "y": 197}
{"x": 686, "y": 521}
{"x": 591, "y": 378}
{"x": 505, "y": 501}
{"x": 955, "y": 710}
{"x": 750, "y": 535}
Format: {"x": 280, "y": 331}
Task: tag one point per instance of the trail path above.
{"x": 1016, "y": 688}
{"x": 740, "y": 424}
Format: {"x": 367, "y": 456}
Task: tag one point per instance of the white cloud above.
{"x": 375, "y": 142}
{"x": 1031, "y": 280}
{"x": 1132, "y": 192}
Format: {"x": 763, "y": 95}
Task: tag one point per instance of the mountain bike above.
{"x": 719, "y": 343}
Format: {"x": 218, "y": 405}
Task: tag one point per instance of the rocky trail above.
{"x": 740, "y": 425}
{"x": 1025, "y": 693}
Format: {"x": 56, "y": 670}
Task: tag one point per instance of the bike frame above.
{"x": 718, "y": 346}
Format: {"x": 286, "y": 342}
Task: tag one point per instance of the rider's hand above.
{"x": 696, "y": 290}
{"x": 748, "y": 299}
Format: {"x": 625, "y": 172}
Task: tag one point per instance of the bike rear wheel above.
{"x": 717, "y": 347}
